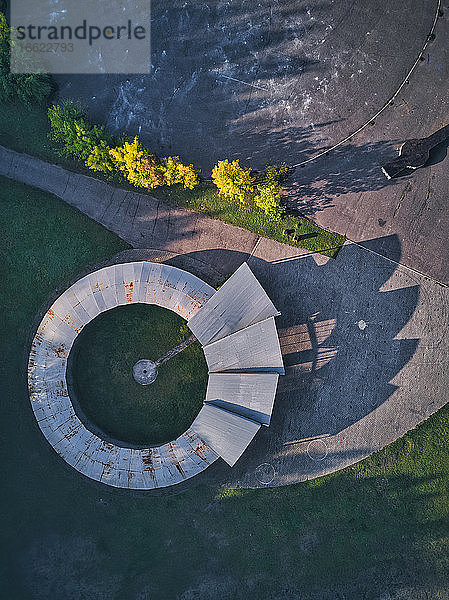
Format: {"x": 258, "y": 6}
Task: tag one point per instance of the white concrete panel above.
{"x": 149, "y": 468}
{"x": 227, "y": 433}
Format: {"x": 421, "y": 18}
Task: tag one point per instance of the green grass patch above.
{"x": 206, "y": 199}
{"x": 27, "y": 131}
{"x": 103, "y": 358}
{"x": 42, "y": 247}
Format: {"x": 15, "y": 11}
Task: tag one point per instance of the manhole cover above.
{"x": 317, "y": 450}
{"x": 265, "y": 473}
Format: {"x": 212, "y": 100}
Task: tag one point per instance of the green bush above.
{"x": 137, "y": 165}
{"x": 269, "y": 199}
{"x": 62, "y": 118}
{"x": 5, "y": 39}
{"x": 268, "y": 196}
{"x": 176, "y": 172}
{"x": 153, "y": 172}
{"x": 80, "y": 140}
{"x": 92, "y": 145}
{"x": 261, "y": 189}
{"x": 143, "y": 169}
{"x": 100, "y": 159}
{"x": 99, "y": 152}
{"x": 31, "y": 88}
{"x": 233, "y": 181}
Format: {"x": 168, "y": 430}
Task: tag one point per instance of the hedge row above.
{"x": 101, "y": 152}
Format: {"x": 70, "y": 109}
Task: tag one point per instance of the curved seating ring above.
{"x": 237, "y": 331}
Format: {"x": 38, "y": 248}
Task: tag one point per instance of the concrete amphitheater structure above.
{"x": 237, "y": 330}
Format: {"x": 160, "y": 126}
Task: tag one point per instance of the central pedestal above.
{"x": 145, "y": 371}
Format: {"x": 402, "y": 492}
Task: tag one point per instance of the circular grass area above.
{"x": 101, "y": 366}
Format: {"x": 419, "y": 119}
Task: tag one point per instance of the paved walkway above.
{"x": 139, "y": 219}
{"x": 363, "y": 337}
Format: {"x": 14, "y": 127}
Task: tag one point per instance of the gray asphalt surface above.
{"x": 347, "y": 192}
{"x": 265, "y": 81}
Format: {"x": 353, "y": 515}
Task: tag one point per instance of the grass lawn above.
{"x": 365, "y": 533}
{"x": 27, "y": 131}
{"x": 205, "y": 199}
{"x": 103, "y": 358}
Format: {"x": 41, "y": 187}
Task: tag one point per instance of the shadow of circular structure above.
{"x": 236, "y": 328}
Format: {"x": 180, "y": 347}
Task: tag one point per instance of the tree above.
{"x": 233, "y": 181}
{"x": 268, "y": 197}
{"x": 30, "y": 88}
{"x": 62, "y": 119}
{"x": 99, "y": 152}
{"x": 5, "y": 33}
{"x": 153, "y": 172}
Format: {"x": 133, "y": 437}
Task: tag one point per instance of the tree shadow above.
{"x": 350, "y": 168}
{"x": 316, "y": 185}
{"x": 224, "y": 70}
{"x": 214, "y": 64}
{"x": 291, "y": 144}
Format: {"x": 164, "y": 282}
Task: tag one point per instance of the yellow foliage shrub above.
{"x": 232, "y": 180}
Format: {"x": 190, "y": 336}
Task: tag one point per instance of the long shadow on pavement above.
{"x": 338, "y": 330}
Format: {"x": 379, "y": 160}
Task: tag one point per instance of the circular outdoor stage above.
{"x": 236, "y": 329}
